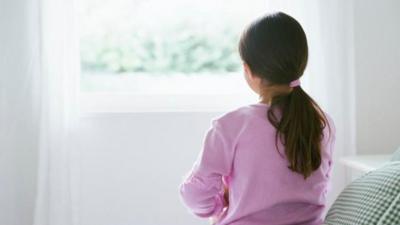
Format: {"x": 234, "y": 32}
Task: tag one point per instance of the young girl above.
{"x": 267, "y": 163}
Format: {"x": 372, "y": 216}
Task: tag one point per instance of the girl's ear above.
{"x": 249, "y": 75}
{"x": 247, "y": 71}
{"x": 252, "y": 80}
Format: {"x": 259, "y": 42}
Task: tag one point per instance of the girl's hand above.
{"x": 215, "y": 219}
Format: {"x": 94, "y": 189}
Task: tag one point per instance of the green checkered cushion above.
{"x": 373, "y": 199}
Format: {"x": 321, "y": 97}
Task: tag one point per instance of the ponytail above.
{"x": 299, "y": 123}
{"x": 275, "y": 49}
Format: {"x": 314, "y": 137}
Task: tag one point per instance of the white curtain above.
{"x": 329, "y": 77}
{"x": 58, "y": 83}
{"x": 39, "y": 67}
{"x": 19, "y": 66}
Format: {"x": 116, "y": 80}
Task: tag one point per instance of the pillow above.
{"x": 392, "y": 214}
{"x": 396, "y": 155}
{"x": 373, "y": 199}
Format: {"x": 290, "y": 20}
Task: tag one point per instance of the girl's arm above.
{"x": 203, "y": 190}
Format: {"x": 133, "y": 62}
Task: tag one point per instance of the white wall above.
{"x": 132, "y": 165}
{"x": 377, "y": 69}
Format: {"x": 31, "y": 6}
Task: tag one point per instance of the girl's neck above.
{"x": 267, "y": 93}
{"x": 264, "y": 100}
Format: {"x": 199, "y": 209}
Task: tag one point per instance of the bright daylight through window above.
{"x": 163, "y": 48}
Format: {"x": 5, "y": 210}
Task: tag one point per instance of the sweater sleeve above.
{"x": 202, "y": 191}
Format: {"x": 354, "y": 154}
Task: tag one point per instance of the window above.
{"x": 152, "y": 55}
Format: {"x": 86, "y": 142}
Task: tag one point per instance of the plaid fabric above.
{"x": 373, "y": 199}
{"x": 392, "y": 215}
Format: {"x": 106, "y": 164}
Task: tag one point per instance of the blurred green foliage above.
{"x": 182, "y": 50}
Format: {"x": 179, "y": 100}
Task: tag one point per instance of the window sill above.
{"x": 107, "y": 102}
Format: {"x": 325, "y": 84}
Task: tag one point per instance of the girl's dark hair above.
{"x": 275, "y": 49}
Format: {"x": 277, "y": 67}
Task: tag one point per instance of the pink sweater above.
{"x": 239, "y": 152}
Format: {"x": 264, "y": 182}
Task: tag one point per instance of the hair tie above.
{"x": 294, "y": 83}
